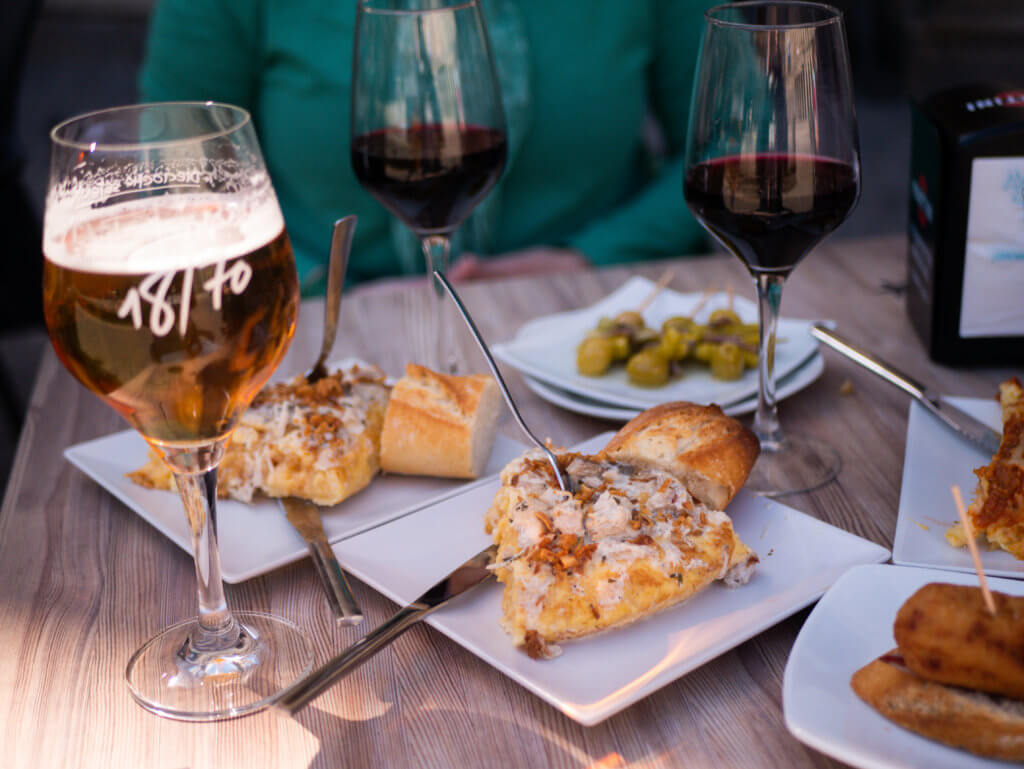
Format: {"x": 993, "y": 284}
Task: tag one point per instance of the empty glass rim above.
{"x": 243, "y": 118}
{"x": 834, "y": 14}
{"x": 365, "y": 6}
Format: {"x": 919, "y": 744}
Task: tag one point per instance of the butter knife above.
{"x": 955, "y": 419}
{"x": 305, "y": 690}
{"x": 304, "y": 516}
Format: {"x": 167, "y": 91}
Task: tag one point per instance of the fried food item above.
{"x": 320, "y": 442}
{"x": 946, "y": 635}
{"x": 997, "y": 511}
{"x": 630, "y": 542}
{"x": 980, "y": 723}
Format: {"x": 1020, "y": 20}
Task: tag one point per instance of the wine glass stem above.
{"x": 436, "y": 249}
{"x": 769, "y": 298}
{"x": 195, "y": 473}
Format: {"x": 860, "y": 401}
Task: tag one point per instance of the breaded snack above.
{"x": 946, "y": 634}
{"x": 711, "y": 453}
{"x": 439, "y": 425}
{"x": 316, "y": 441}
{"x": 997, "y": 510}
{"x": 981, "y": 723}
{"x": 630, "y": 542}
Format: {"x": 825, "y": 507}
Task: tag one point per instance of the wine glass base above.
{"x": 794, "y": 464}
{"x": 269, "y": 655}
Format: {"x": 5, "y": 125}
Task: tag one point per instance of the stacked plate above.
{"x": 544, "y": 351}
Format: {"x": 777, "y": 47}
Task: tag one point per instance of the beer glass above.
{"x": 169, "y": 290}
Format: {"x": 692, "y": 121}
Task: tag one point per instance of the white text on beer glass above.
{"x": 153, "y": 290}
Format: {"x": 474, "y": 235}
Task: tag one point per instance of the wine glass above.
{"x": 428, "y": 129}
{"x": 169, "y": 290}
{"x": 772, "y": 166}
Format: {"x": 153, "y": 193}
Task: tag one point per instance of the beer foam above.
{"x": 172, "y": 232}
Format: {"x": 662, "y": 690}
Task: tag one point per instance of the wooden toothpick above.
{"x": 664, "y": 280}
{"x": 973, "y": 547}
{"x": 708, "y": 293}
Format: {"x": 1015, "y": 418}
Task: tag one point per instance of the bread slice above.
{"x": 439, "y": 425}
{"x": 711, "y": 453}
{"x": 983, "y": 724}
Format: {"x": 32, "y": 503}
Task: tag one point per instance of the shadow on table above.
{"x": 432, "y": 730}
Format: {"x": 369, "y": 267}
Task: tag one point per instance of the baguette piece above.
{"x": 946, "y": 634}
{"x": 711, "y": 453}
{"x": 983, "y": 724}
{"x": 439, "y": 425}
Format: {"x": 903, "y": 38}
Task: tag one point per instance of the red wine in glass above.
{"x": 429, "y": 176}
{"x": 771, "y": 208}
{"x": 773, "y": 166}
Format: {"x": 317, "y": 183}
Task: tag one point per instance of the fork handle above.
{"x": 339, "y": 595}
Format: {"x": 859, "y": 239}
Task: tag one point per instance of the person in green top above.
{"x": 580, "y": 83}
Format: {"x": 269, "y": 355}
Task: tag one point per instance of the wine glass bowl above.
{"x": 170, "y": 291}
{"x": 772, "y": 167}
{"x": 428, "y": 137}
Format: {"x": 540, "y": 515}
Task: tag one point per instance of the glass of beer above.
{"x": 170, "y": 291}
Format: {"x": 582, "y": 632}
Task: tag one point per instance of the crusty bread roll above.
{"x": 981, "y": 723}
{"x": 711, "y": 453}
{"x": 439, "y": 425}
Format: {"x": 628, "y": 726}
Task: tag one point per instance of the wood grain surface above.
{"x": 85, "y": 581}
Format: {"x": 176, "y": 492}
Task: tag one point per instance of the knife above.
{"x": 305, "y": 690}
{"x": 304, "y": 516}
{"x": 957, "y": 420}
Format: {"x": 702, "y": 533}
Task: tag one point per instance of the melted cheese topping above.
{"x": 627, "y": 542}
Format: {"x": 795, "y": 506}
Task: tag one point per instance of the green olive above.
{"x": 724, "y": 317}
{"x": 680, "y": 322}
{"x": 648, "y": 368}
{"x": 703, "y": 351}
{"x": 727, "y": 361}
{"x": 594, "y": 356}
{"x": 671, "y": 344}
{"x": 621, "y": 348}
{"x": 630, "y": 318}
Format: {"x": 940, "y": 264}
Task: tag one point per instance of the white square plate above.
{"x": 596, "y": 677}
{"x": 849, "y": 627}
{"x": 255, "y": 538}
{"x": 935, "y": 459}
{"x": 545, "y": 348}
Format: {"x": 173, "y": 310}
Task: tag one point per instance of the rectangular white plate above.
{"x": 935, "y": 459}
{"x": 545, "y": 348}
{"x": 597, "y": 677}
{"x": 849, "y": 627}
{"x": 255, "y": 538}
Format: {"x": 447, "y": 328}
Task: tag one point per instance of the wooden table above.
{"x": 85, "y": 581}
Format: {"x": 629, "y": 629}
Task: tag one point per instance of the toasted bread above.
{"x": 711, "y": 453}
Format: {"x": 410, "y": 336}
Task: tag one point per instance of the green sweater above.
{"x": 578, "y": 79}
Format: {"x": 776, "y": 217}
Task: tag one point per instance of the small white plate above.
{"x": 851, "y": 626}
{"x": 935, "y": 459}
{"x": 795, "y": 381}
{"x": 545, "y": 348}
{"x": 597, "y": 677}
{"x": 255, "y": 538}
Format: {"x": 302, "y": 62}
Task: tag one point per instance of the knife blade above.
{"x": 954, "y": 418}
{"x": 304, "y": 516}
{"x": 305, "y": 690}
